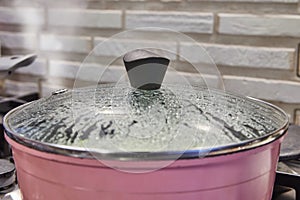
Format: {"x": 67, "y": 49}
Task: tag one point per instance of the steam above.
{"x": 35, "y": 25}
{"x": 49, "y": 38}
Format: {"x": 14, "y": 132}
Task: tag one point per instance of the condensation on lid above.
{"x": 119, "y": 118}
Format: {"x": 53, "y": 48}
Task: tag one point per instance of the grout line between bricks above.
{"x": 177, "y": 50}
{"x": 123, "y": 16}
{"x": 216, "y": 23}
{"x": 298, "y": 60}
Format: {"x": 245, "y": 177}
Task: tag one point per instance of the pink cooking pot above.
{"x": 145, "y": 142}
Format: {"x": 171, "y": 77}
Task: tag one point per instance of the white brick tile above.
{"x": 192, "y": 22}
{"x": 75, "y": 44}
{"x": 85, "y": 18}
{"x": 18, "y": 40}
{"x": 63, "y": 69}
{"x": 39, "y": 67}
{"x": 87, "y": 72}
{"x": 274, "y": 90}
{"x": 20, "y": 88}
{"x": 22, "y": 15}
{"x": 241, "y": 56}
{"x": 127, "y": 0}
{"x": 121, "y": 46}
{"x": 254, "y": 1}
{"x": 171, "y": 1}
{"x": 100, "y": 73}
{"x": 192, "y": 79}
{"x": 266, "y": 25}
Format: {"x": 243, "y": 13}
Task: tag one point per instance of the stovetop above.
{"x": 287, "y": 186}
{"x": 8, "y": 179}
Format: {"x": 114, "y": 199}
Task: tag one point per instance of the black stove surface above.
{"x": 288, "y": 175}
{"x": 7, "y": 176}
{"x": 8, "y": 179}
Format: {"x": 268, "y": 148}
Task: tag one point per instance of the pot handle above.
{"x": 9, "y": 64}
{"x": 145, "y": 69}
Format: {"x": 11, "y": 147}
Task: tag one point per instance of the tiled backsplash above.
{"x": 253, "y": 42}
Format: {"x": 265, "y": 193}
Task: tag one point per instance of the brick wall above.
{"x": 253, "y": 42}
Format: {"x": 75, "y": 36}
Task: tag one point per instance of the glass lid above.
{"x": 122, "y": 119}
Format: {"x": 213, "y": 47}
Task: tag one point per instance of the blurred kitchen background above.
{"x": 253, "y": 42}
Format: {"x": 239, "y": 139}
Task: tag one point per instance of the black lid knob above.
{"x": 145, "y": 69}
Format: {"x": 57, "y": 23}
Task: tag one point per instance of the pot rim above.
{"x": 194, "y": 153}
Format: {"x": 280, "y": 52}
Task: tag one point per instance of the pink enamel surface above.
{"x": 247, "y": 175}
